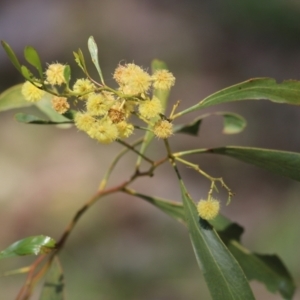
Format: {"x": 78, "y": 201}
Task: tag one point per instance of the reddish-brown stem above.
{"x": 82, "y": 210}
{"x": 33, "y": 277}
{"x": 26, "y": 290}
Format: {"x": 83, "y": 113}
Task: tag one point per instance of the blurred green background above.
{"x": 123, "y": 248}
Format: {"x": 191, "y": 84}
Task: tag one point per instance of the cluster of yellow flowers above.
{"x": 107, "y": 111}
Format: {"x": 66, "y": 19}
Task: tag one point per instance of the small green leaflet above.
{"x": 94, "y": 55}
{"x": 33, "y": 58}
{"x": 12, "y": 56}
{"x": 79, "y": 59}
{"x": 33, "y": 245}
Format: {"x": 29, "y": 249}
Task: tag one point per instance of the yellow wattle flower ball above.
{"x": 163, "y": 129}
{"x": 31, "y": 93}
{"x": 55, "y": 74}
{"x": 83, "y": 87}
{"x": 97, "y": 104}
{"x": 132, "y": 79}
{"x": 125, "y": 129}
{"x": 163, "y": 80}
{"x": 104, "y": 131}
{"x": 150, "y": 108}
{"x": 60, "y": 104}
{"x": 208, "y": 209}
{"x": 84, "y": 121}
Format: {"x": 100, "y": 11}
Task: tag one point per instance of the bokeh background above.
{"x": 123, "y": 248}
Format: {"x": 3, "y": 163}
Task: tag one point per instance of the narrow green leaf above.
{"x": 176, "y": 211}
{"x": 94, "y": 55}
{"x": 267, "y": 269}
{"x": 13, "y": 98}
{"x": 33, "y": 245}
{"x": 280, "y": 162}
{"x": 54, "y": 285}
{"x": 224, "y": 276}
{"x": 171, "y": 208}
{"x": 233, "y": 123}
{"x": 30, "y": 119}
{"x": 12, "y": 56}
{"x": 253, "y": 89}
{"x": 33, "y": 58}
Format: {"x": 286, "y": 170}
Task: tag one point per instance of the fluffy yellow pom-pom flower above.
{"x": 208, "y": 209}
{"x": 31, "y": 93}
{"x": 132, "y": 79}
{"x": 125, "y": 129}
{"x": 84, "y": 121}
{"x": 60, "y": 104}
{"x": 83, "y": 87}
{"x": 103, "y": 131}
{"x": 163, "y": 129}
{"x": 150, "y": 108}
{"x": 98, "y": 104}
{"x": 163, "y": 80}
{"x": 55, "y": 74}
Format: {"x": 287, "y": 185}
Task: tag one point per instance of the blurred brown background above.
{"x": 123, "y": 248}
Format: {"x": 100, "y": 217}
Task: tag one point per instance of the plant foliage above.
{"x": 110, "y": 116}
